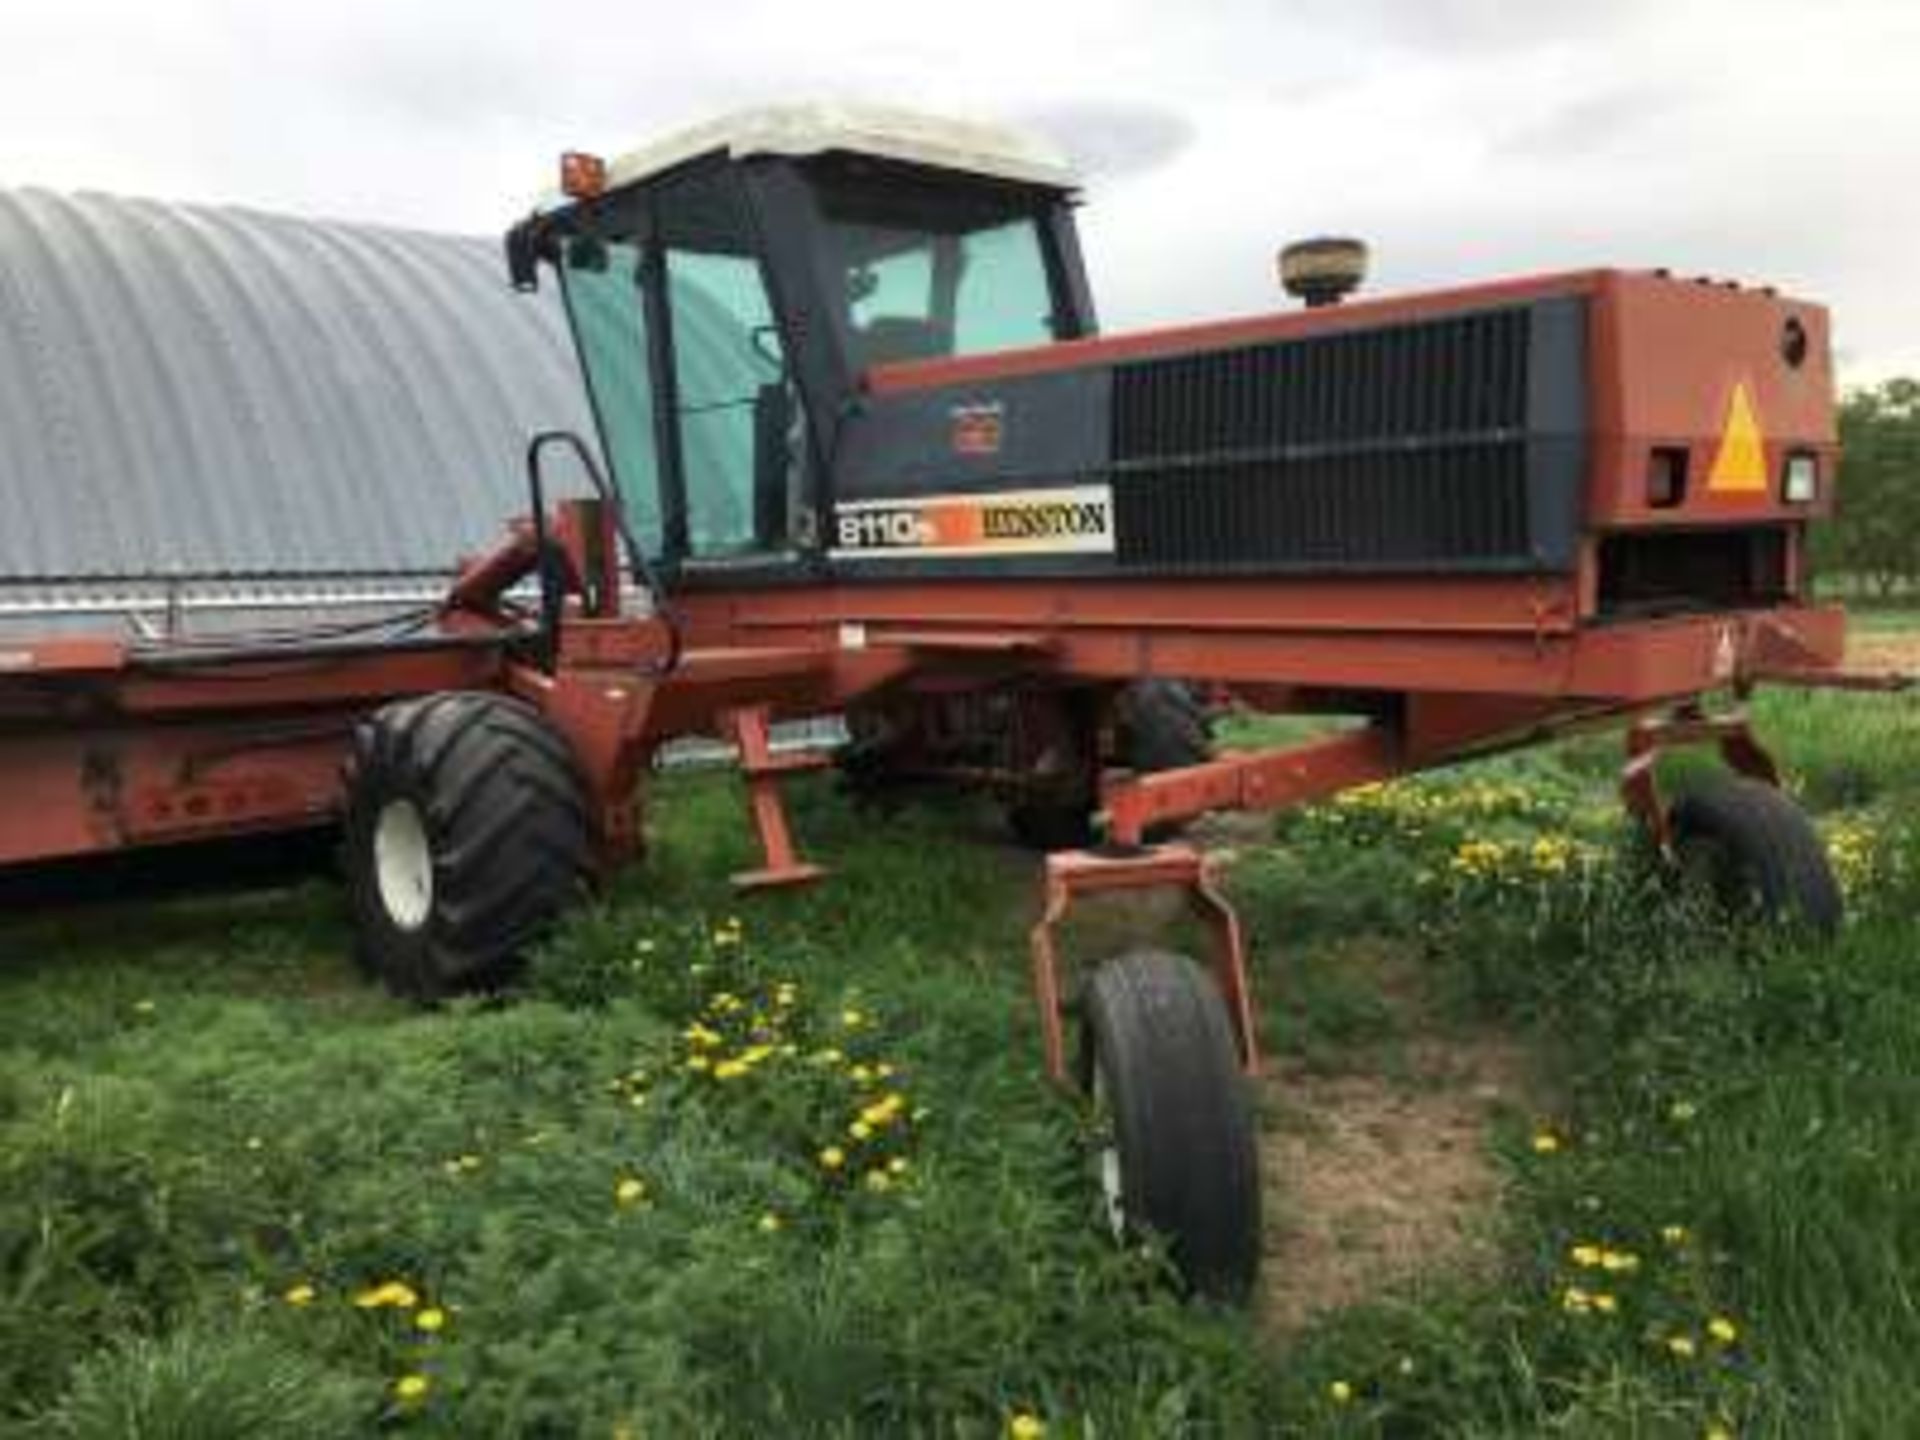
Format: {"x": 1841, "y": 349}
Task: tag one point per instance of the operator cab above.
{"x": 728, "y": 288}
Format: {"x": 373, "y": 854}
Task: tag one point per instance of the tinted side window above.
{"x": 601, "y": 283}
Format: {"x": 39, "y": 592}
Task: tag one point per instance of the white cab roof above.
{"x": 978, "y": 147}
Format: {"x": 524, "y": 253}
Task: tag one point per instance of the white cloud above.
{"x": 1464, "y": 138}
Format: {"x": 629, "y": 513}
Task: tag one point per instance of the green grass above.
{"x": 202, "y": 1107}
{"x": 201, "y": 1110}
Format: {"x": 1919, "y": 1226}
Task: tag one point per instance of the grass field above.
{"x": 243, "y": 1194}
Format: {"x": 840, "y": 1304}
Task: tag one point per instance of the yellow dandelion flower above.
{"x": 860, "y": 1130}
{"x": 431, "y": 1320}
{"x": 1575, "y": 1301}
{"x": 833, "y": 1157}
{"x": 730, "y": 1069}
{"x": 1674, "y": 1234}
{"x": 771, "y": 1221}
{"x": 698, "y": 1062}
{"x": 1585, "y": 1256}
{"x": 1340, "y": 1392}
{"x": 299, "y": 1295}
{"x": 878, "y": 1181}
{"x": 1682, "y": 1346}
{"x": 1682, "y": 1111}
{"x": 1024, "y": 1426}
{"x": 1545, "y": 1142}
{"x": 629, "y": 1191}
{"x": 898, "y": 1165}
{"x": 395, "y": 1294}
{"x": 852, "y": 1019}
{"x": 1620, "y": 1262}
{"x": 410, "y": 1388}
{"x": 1723, "y": 1330}
{"x": 1605, "y": 1303}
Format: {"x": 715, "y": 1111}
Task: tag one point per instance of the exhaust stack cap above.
{"x": 1323, "y": 270}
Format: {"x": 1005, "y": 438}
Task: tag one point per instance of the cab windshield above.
{"x": 931, "y": 270}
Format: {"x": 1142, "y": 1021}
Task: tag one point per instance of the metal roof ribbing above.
{"x": 191, "y": 391}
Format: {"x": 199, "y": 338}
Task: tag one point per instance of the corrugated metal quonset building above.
{"x": 212, "y": 417}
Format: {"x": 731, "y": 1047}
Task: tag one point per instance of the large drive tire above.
{"x": 1181, "y": 1159}
{"x": 1758, "y": 850}
{"x": 467, "y": 833}
{"x": 1161, "y": 725}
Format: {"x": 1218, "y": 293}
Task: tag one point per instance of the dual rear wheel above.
{"x": 1176, "y": 1133}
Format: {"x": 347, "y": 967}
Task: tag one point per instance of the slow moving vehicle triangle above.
{"x": 1740, "y": 464}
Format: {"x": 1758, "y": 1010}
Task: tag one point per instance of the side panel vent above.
{"x": 1335, "y": 511}
{"x": 1421, "y": 444}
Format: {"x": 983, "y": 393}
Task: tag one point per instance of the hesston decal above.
{"x": 1072, "y": 520}
{"x": 1046, "y": 521}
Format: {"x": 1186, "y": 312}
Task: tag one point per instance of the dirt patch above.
{"x": 1896, "y": 650}
{"x": 1376, "y": 1182}
{"x": 1376, "y": 1169}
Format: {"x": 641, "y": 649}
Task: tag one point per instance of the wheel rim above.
{"x": 1106, "y": 1160}
{"x": 403, "y": 864}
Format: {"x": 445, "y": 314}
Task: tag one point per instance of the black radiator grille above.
{"x": 1404, "y": 445}
{"x": 1462, "y": 504}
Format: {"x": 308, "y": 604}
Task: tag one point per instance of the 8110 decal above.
{"x": 1069, "y": 520}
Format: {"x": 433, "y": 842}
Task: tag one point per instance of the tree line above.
{"x": 1873, "y": 541}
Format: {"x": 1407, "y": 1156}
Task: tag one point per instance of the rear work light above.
{"x": 1666, "y": 476}
{"x": 1800, "y": 483}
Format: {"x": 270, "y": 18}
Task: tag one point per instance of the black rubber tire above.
{"x": 1047, "y": 825}
{"x": 1163, "y": 726}
{"x": 1759, "y": 851}
{"x": 1155, "y": 1030}
{"x": 498, "y": 795}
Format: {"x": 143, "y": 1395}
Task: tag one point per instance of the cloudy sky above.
{"x": 1772, "y": 140}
